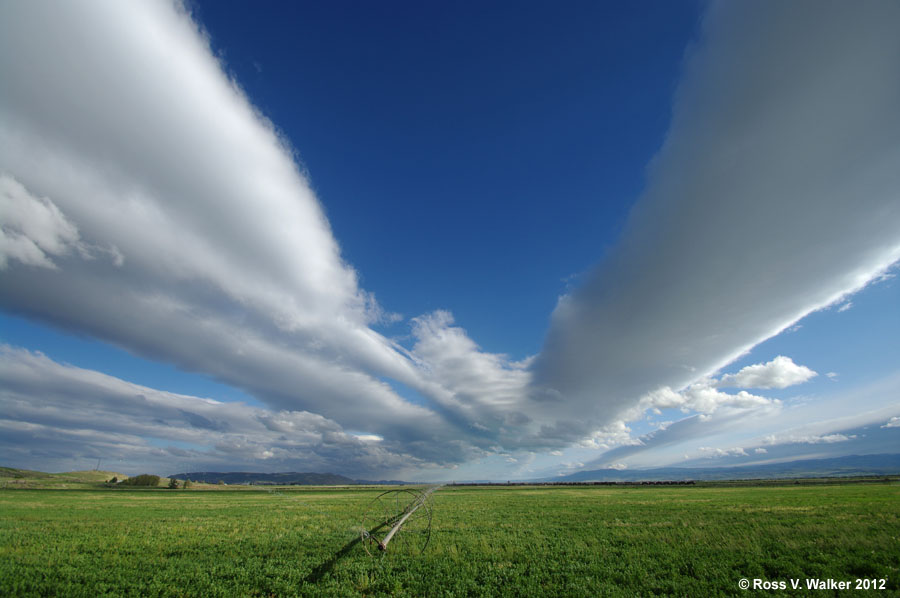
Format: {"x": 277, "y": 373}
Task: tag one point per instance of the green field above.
{"x": 23, "y": 478}
{"x": 517, "y": 541}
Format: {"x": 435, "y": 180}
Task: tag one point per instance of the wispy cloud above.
{"x": 84, "y": 415}
{"x": 808, "y": 439}
{"x": 729, "y": 452}
{"x": 842, "y": 421}
{"x": 33, "y": 228}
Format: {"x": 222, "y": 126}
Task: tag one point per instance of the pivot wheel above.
{"x": 410, "y": 509}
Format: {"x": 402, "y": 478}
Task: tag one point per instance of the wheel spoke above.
{"x": 386, "y": 510}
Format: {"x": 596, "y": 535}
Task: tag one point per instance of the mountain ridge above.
{"x": 850, "y": 465}
{"x": 284, "y": 478}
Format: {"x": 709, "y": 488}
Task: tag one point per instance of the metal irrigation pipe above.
{"x": 409, "y": 511}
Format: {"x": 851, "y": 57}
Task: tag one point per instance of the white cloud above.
{"x": 723, "y": 426}
{"x": 832, "y": 375}
{"x": 33, "y": 228}
{"x": 84, "y": 414}
{"x": 774, "y": 195}
{"x": 228, "y": 266}
{"x": 847, "y": 420}
{"x": 570, "y": 466}
{"x": 119, "y": 129}
{"x": 894, "y": 422}
{"x": 701, "y": 397}
{"x": 887, "y": 275}
{"x": 807, "y": 439}
{"x": 781, "y": 372}
{"x": 369, "y": 437}
{"x": 718, "y": 452}
{"x": 845, "y": 306}
{"x": 474, "y": 381}
{"x": 612, "y": 435}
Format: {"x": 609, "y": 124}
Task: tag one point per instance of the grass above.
{"x": 25, "y": 478}
{"x": 519, "y": 541}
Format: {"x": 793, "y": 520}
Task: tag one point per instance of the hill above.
{"x": 281, "y": 479}
{"x": 286, "y": 478}
{"x": 11, "y": 477}
{"x": 25, "y": 478}
{"x": 853, "y": 465}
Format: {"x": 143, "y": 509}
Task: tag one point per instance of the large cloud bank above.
{"x": 83, "y": 412}
{"x": 174, "y": 221}
{"x": 147, "y": 203}
{"x": 774, "y": 194}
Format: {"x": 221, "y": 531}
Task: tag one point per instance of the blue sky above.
{"x": 448, "y": 242}
{"x": 441, "y": 135}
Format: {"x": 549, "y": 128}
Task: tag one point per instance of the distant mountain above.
{"x": 289, "y": 478}
{"x": 853, "y": 465}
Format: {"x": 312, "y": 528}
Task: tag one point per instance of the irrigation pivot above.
{"x": 401, "y": 518}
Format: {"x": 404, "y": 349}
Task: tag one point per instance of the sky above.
{"x": 447, "y": 241}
